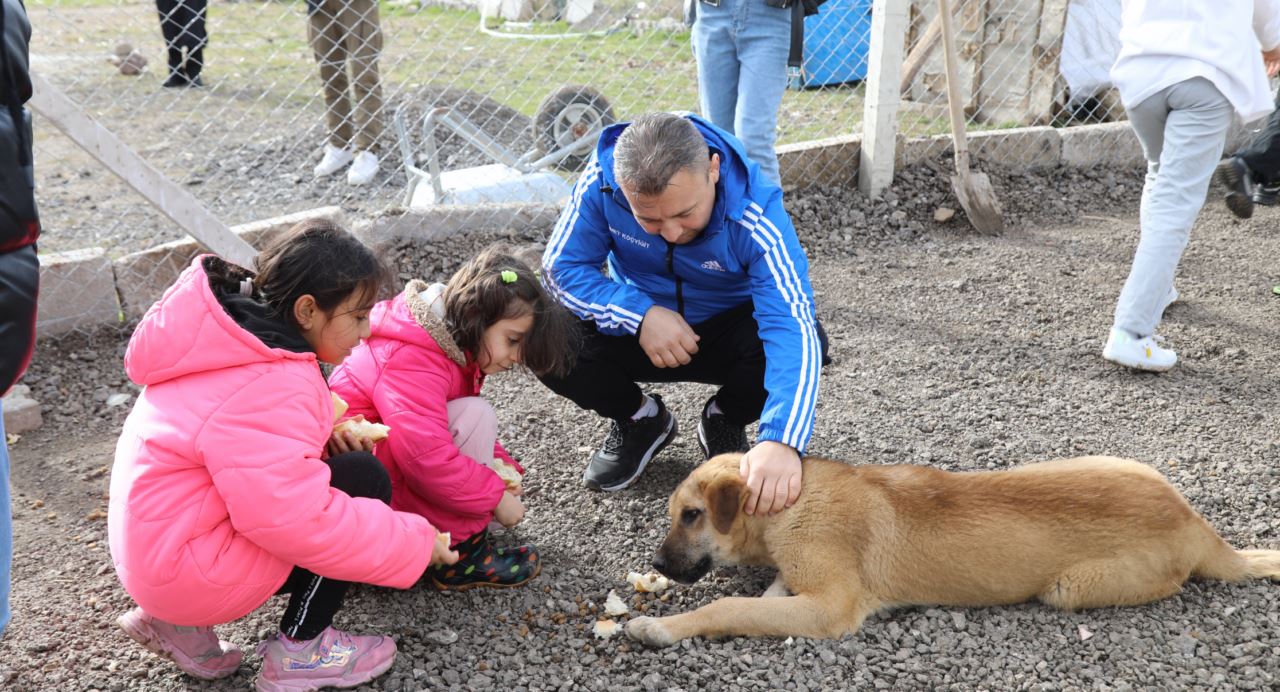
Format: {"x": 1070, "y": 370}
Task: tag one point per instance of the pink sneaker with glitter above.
{"x": 196, "y": 650}
{"x": 333, "y": 659}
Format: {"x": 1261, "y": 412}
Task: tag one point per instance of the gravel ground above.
{"x": 952, "y": 350}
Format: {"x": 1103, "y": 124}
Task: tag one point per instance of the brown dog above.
{"x": 1074, "y": 533}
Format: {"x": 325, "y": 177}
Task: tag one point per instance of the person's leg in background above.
{"x": 306, "y": 634}
{"x": 715, "y": 50}
{"x": 195, "y": 38}
{"x": 764, "y": 41}
{"x": 172, "y": 14}
{"x": 1182, "y": 130}
{"x": 1252, "y": 175}
{"x": 364, "y": 46}
{"x": 327, "y": 36}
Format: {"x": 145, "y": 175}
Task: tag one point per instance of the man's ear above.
{"x": 305, "y": 310}
{"x": 724, "y": 501}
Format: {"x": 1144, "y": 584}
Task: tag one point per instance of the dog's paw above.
{"x": 649, "y": 631}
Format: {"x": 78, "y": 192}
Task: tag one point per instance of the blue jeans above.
{"x": 6, "y": 528}
{"x": 741, "y": 47}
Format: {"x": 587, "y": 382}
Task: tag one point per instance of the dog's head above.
{"x": 705, "y": 511}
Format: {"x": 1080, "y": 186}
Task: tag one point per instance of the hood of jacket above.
{"x": 190, "y": 330}
{"x": 416, "y": 316}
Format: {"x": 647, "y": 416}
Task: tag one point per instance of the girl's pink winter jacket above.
{"x": 404, "y": 376}
{"x": 218, "y": 490}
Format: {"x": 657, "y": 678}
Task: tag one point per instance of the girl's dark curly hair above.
{"x": 495, "y": 285}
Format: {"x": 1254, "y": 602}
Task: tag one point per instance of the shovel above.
{"x": 974, "y": 190}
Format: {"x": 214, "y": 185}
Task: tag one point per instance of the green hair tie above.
{"x": 508, "y": 276}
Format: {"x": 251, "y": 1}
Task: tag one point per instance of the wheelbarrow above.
{"x": 566, "y": 126}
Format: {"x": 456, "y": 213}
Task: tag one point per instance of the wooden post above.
{"x": 880, "y": 112}
{"x": 164, "y": 194}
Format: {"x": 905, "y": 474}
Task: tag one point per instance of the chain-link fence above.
{"x": 523, "y": 79}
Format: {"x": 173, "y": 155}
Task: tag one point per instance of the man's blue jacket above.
{"x": 748, "y": 252}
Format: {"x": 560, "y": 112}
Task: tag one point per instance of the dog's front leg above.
{"x": 786, "y": 616}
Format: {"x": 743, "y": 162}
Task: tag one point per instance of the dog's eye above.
{"x": 689, "y": 516}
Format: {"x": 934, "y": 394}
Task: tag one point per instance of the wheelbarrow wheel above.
{"x": 569, "y": 115}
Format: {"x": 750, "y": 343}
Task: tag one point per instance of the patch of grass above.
{"x": 259, "y": 56}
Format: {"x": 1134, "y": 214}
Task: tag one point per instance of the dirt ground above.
{"x": 952, "y": 350}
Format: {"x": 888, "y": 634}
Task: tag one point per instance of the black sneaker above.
{"x": 717, "y": 435}
{"x": 1234, "y": 175}
{"x": 1266, "y": 194}
{"x": 628, "y": 449}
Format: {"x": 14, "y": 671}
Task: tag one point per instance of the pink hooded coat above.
{"x": 404, "y": 375}
{"x": 218, "y": 489}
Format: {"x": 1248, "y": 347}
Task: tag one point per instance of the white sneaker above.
{"x": 1141, "y": 354}
{"x": 363, "y": 168}
{"x": 334, "y": 160}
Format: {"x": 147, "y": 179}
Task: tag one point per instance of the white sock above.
{"x": 648, "y": 408}
{"x": 714, "y": 409}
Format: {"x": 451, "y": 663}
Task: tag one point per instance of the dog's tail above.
{"x": 1228, "y": 564}
{"x": 1261, "y": 563}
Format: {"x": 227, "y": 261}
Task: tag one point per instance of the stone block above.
{"x": 21, "y": 412}
{"x": 830, "y": 161}
{"x": 77, "y": 291}
{"x": 142, "y": 277}
{"x": 1103, "y": 144}
{"x": 1020, "y": 147}
{"x": 434, "y": 223}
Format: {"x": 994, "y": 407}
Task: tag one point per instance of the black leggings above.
{"x": 314, "y": 600}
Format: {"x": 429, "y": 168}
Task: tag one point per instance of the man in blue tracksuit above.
{"x": 705, "y": 282}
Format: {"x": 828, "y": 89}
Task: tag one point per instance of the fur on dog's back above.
{"x": 984, "y": 538}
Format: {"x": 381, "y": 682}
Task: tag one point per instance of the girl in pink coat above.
{"x": 220, "y": 495}
{"x": 420, "y": 372}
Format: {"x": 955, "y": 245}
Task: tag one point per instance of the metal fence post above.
{"x": 880, "y": 112}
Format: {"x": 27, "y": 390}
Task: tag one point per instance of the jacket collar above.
{"x": 426, "y": 304}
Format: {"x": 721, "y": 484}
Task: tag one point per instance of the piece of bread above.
{"x": 339, "y": 407}
{"x": 648, "y": 583}
{"x": 374, "y": 432}
{"x": 604, "y": 629}
{"x": 507, "y": 473}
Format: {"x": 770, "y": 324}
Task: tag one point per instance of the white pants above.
{"x": 1182, "y": 129}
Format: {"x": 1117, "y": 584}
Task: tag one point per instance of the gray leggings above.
{"x": 1183, "y": 129}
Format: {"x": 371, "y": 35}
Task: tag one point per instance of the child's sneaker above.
{"x": 333, "y": 659}
{"x": 196, "y": 650}
{"x": 1142, "y": 354}
{"x": 481, "y": 563}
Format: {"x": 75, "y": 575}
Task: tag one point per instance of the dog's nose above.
{"x": 659, "y": 563}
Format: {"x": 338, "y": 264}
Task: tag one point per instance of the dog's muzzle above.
{"x": 686, "y": 575}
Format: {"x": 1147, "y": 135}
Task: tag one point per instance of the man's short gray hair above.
{"x": 655, "y": 147}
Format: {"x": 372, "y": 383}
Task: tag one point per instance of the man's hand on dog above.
{"x": 772, "y": 474}
{"x": 666, "y": 338}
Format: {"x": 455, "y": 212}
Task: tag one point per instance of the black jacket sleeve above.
{"x": 19, "y": 225}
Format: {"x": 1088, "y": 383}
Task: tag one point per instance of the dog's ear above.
{"x": 724, "y": 501}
